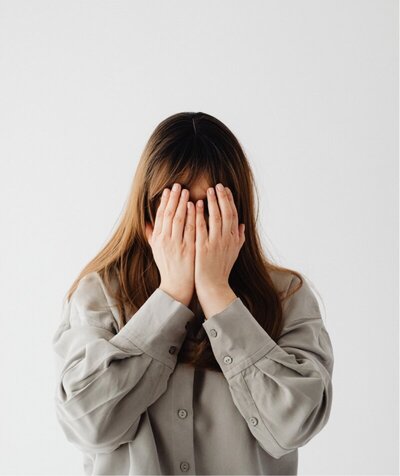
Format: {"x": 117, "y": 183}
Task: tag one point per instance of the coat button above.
{"x": 182, "y": 413}
{"x": 184, "y": 466}
{"x": 213, "y": 332}
{"x": 228, "y": 359}
{"x": 253, "y": 421}
{"x": 172, "y": 349}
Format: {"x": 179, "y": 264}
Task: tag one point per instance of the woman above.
{"x": 182, "y": 349}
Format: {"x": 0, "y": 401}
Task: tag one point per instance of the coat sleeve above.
{"x": 106, "y": 379}
{"x": 283, "y": 389}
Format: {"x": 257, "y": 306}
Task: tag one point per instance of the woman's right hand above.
{"x": 172, "y": 241}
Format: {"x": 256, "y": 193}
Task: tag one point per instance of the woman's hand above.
{"x": 216, "y": 250}
{"x": 173, "y": 243}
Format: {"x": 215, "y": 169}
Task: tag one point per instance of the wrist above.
{"x": 215, "y": 299}
{"x": 212, "y": 287}
{"x": 177, "y": 295}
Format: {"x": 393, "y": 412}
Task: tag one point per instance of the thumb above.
{"x": 149, "y": 232}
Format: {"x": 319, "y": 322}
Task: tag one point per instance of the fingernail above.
{"x": 220, "y": 187}
{"x": 175, "y": 187}
{"x": 211, "y": 191}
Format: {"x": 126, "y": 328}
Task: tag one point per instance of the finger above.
{"x": 235, "y": 217}
{"x": 226, "y": 210}
{"x": 190, "y": 230}
{"x": 158, "y": 222}
{"x": 170, "y": 208}
{"x": 178, "y": 221}
{"x": 214, "y": 216}
{"x": 201, "y": 230}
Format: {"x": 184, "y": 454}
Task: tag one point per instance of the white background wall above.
{"x": 310, "y": 89}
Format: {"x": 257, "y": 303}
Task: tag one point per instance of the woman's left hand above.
{"x": 216, "y": 250}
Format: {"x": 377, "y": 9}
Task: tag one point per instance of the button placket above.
{"x": 182, "y": 427}
{"x": 184, "y": 466}
{"x": 182, "y": 413}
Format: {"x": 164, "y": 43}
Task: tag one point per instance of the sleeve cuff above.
{"x": 159, "y": 327}
{"x": 237, "y": 339}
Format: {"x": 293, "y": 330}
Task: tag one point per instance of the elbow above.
{"x": 89, "y": 433}
{"x": 274, "y": 449}
{"x": 316, "y": 418}
{"x": 312, "y": 423}
{"x": 301, "y": 423}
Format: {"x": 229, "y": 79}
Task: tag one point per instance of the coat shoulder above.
{"x": 284, "y": 281}
{"x": 94, "y": 302}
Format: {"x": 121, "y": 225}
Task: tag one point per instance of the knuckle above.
{"x": 178, "y": 219}
{"x": 163, "y": 238}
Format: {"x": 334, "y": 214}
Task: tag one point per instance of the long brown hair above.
{"x": 182, "y": 148}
